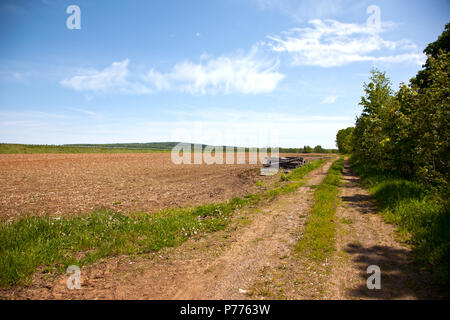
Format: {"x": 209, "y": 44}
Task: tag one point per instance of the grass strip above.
{"x": 318, "y": 238}
{"x": 55, "y": 243}
{"x": 421, "y": 214}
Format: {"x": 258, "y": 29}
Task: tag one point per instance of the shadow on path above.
{"x": 400, "y": 276}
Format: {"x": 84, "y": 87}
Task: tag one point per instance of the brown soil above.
{"x": 62, "y": 184}
{"x": 220, "y": 265}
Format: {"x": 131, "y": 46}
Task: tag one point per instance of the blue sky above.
{"x": 247, "y": 72}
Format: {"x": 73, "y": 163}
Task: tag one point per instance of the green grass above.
{"x": 55, "y": 243}
{"x": 318, "y": 238}
{"x": 6, "y": 148}
{"x": 418, "y": 211}
{"x": 300, "y": 172}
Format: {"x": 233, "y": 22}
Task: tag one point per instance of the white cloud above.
{"x": 329, "y": 100}
{"x": 114, "y": 77}
{"x": 329, "y": 43}
{"x": 247, "y": 74}
{"x": 237, "y": 74}
{"x": 89, "y": 113}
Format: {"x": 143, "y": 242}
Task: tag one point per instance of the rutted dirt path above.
{"x": 364, "y": 239}
{"x": 220, "y": 265}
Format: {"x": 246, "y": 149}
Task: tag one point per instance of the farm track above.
{"x": 220, "y": 265}
{"x": 364, "y": 239}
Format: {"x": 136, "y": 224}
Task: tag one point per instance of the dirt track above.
{"x": 364, "y": 239}
{"x": 221, "y": 265}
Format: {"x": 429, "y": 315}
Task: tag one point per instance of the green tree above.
{"x": 430, "y": 123}
{"x": 424, "y": 77}
{"x": 369, "y": 139}
{"x": 307, "y": 149}
{"x": 319, "y": 149}
{"x": 344, "y": 140}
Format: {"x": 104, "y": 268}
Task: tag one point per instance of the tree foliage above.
{"x": 402, "y": 138}
{"x": 407, "y": 131}
{"x": 344, "y": 140}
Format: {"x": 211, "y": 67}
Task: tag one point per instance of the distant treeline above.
{"x": 170, "y": 145}
{"x": 148, "y": 145}
{"x": 133, "y": 147}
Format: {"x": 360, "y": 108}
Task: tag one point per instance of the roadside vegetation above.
{"x": 400, "y": 148}
{"x": 300, "y": 172}
{"x": 54, "y": 243}
{"x": 318, "y": 240}
{"x": 421, "y": 214}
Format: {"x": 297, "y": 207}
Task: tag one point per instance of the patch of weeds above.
{"x": 300, "y": 172}
{"x": 208, "y": 270}
{"x": 264, "y": 292}
{"x": 244, "y": 221}
{"x": 346, "y": 221}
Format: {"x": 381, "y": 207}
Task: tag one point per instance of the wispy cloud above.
{"x": 330, "y": 43}
{"x": 89, "y": 113}
{"x": 246, "y": 74}
{"x": 115, "y": 77}
{"x": 5, "y": 114}
{"x": 23, "y": 123}
{"x": 329, "y": 100}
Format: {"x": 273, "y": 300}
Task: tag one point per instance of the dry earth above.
{"x": 62, "y": 184}
{"x": 221, "y": 265}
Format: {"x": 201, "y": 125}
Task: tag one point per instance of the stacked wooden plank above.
{"x": 284, "y": 162}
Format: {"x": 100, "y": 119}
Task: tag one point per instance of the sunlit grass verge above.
{"x": 317, "y": 242}
{"x": 300, "y": 172}
{"x": 422, "y": 214}
{"x": 55, "y": 243}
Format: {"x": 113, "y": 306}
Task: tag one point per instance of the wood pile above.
{"x": 284, "y": 162}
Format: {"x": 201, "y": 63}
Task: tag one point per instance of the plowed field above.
{"x": 64, "y": 184}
